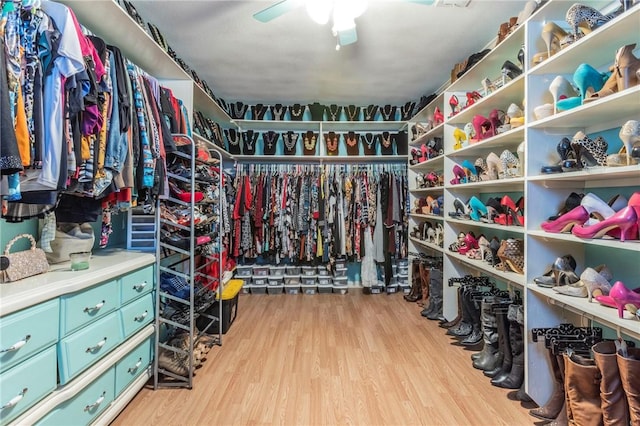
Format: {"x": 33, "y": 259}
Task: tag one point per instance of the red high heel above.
{"x": 482, "y": 127}
{"x": 438, "y": 117}
{"x": 470, "y": 242}
{"x": 622, "y": 296}
{"x": 496, "y": 120}
{"x": 453, "y": 104}
{"x": 472, "y": 97}
{"x": 183, "y": 195}
{"x": 425, "y": 153}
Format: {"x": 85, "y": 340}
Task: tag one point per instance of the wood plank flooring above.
{"x": 330, "y": 359}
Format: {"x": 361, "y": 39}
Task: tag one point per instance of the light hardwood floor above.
{"x": 330, "y": 359}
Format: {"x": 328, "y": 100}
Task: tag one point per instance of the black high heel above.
{"x": 521, "y": 57}
{"x": 494, "y": 246}
{"x": 511, "y": 70}
{"x": 588, "y": 152}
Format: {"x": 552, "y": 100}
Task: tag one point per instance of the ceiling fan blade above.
{"x": 277, "y": 9}
{"x": 347, "y": 37}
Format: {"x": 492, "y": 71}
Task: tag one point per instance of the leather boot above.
{"x": 582, "y": 385}
{"x": 425, "y": 271}
{"x": 615, "y": 410}
{"x": 458, "y": 318}
{"x": 435, "y": 294}
{"x": 516, "y": 343}
{"x": 463, "y": 328}
{"x": 630, "y": 376}
{"x": 415, "y": 293}
{"x": 503, "y": 367}
{"x": 487, "y": 360}
{"x": 552, "y": 408}
{"x": 476, "y": 323}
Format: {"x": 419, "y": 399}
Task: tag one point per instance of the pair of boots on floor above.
{"x": 426, "y": 288}
{"x": 604, "y": 390}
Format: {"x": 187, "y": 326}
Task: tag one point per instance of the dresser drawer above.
{"x": 137, "y": 314}
{"x": 27, "y": 383}
{"x": 133, "y": 364}
{"x": 79, "y": 309}
{"x": 86, "y": 405}
{"x": 136, "y": 284}
{"x": 84, "y": 347}
{"x": 26, "y": 332}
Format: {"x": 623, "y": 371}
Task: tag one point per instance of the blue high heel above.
{"x": 478, "y": 209}
{"x": 468, "y": 165}
{"x": 588, "y": 80}
{"x": 437, "y": 206}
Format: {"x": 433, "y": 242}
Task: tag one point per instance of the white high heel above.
{"x": 630, "y": 135}
{"x": 560, "y": 88}
{"x": 520, "y": 154}
{"x": 598, "y": 208}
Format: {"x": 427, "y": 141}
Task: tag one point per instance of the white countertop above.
{"x": 104, "y": 265}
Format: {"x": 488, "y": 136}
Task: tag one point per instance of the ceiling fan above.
{"x": 341, "y": 12}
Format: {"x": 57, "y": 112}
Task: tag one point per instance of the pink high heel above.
{"x": 577, "y": 216}
{"x": 622, "y": 296}
{"x": 482, "y": 127}
{"x": 470, "y": 243}
{"x": 626, "y": 220}
{"x": 459, "y": 175}
{"x": 606, "y": 300}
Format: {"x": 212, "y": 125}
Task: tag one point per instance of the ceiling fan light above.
{"x": 342, "y": 18}
{"x": 319, "y": 10}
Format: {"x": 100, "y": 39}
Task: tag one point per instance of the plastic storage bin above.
{"x": 309, "y": 270}
{"x": 323, "y": 271}
{"x": 292, "y": 289}
{"x": 309, "y": 289}
{"x": 341, "y": 264}
{"x": 277, "y": 271}
{"x": 261, "y": 271}
{"x": 322, "y": 280}
{"x": 259, "y": 289}
{"x": 275, "y": 280}
{"x": 340, "y": 272}
{"x": 244, "y": 271}
{"x": 309, "y": 280}
{"x": 275, "y": 289}
{"x": 325, "y": 288}
{"x": 292, "y": 270}
{"x": 258, "y": 281}
{"x": 229, "y": 307}
{"x": 292, "y": 280}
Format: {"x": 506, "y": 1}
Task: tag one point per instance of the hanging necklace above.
{"x": 334, "y": 111}
{"x": 351, "y": 138}
{"x": 370, "y": 112}
{"x": 387, "y": 111}
{"x": 386, "y": 139}
{"x": 249, "y": 139}
{"x": 407, "y": 109}
{"x": 332, "y": 142}
{"x": 270, "y": 138}
{"x": 238, "y": 110}
{"x": 310, "y": 142}
{"x": 369, "y": 140}
{"x": 296, "y": 111}
{"x": 352, "y": 112}
{"x": 278, "y": 111}
{"x": 290, "y": 140}
{"x": 258, "y": 111}
{"x": 233, "y": 138}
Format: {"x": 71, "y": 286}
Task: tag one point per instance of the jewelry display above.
{"x": 370, "y": 143}
{"x": 332, "y": 139}
{"x": 258, "y": 111}
{"x": 353, "y": 112}
{"x": 386, "y": 144}
{"x": 370, "y": 113}
{"x": 223, "y": 104}
{"x": 249, "y": 139}
{"x": 290, "y": 140}
{"x": 278, "y": 111}
{"x": 233, "y": 141}
{"x": 297, "y": 111}
{"x": 317, "y": 111}
{"x": 270, "y": 142}
{"x": 352, "y": 139}
{"x": 406, "y": 112}
{"x": 388, "y": 112}
{"x": 402, "y": 143}
{"x": 309, "y": 145}
{"x": 238, "y": 110}
{"x": 333, "y": 112}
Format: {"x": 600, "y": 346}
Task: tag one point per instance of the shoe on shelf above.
{"x": 560, "y": 273}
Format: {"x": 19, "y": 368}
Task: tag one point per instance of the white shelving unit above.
{"x": 544, "y": 193}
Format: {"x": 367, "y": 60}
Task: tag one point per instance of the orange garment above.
{"x": 22, "y": 132}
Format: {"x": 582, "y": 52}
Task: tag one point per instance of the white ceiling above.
{"x": 404, "y": 49}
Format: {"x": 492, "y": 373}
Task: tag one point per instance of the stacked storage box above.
{"x": 292, "y": 279}
{"x": 260, "y": 279}
{"x": 309, "y": 280}
{"x": 275, "y": 280}
{"x": 403, "y": 275}
{"x": 325, "y": 283}
{"x": 340, "y": 277}
{"x": 244, "y": 272}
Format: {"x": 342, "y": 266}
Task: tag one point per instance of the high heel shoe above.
{"x": 623, "y": 75}
{"x": 453, "y": 104}
{"x": 584, "y": 18}
{"x": 482, "y": 127}
{"x": 488, "y": 86}
{"x": 494, "y": 166}
{"x": 460, "y": 210}
{"x": 560, "y": 88}
{"x": 483, "y": 247}
{"x": 588, "y": 80}
{"x": 459, "y": 175}
{"x": 470, "y": 169}
{"x": 497, "y": 120}
{"x": 478, "y": 209}
{"x": 567, "y": 221}
{"x": 510, "y": 165}
{"x": 459, "y": 137}
{"x": 438, "y": 117}
{"x": 626, "y": 220}
{"x": 494, "y": 246}
{"x": 560, "y": 273}
{"x": 597, "y": 281}
{"x": 622, "y": 296}
{"x": 470, "y": 242}
{"x": 455, "y": 246}
{"x": 511, "y": 255}
{"x": 589, "y": 152}
{"x": 630, "y": 137}
{"x": 515, "y": 116}
{"x": 521, "y": 56}
{"x": 472, "y": 98}
{"x": 511, "y": 70}
{"x": 551, "y": 35}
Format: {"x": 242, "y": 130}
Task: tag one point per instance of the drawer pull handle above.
{"x": 142, "y": 316}
{"x": 139, "y": 287}
{"x": 94, "y": 308}
{"x": 17, "y": 345}
{"x": 14, "y": 401}
{"x": 135, "y": 367}
{"x": 95, "y": 348}
{"x": 95, "y": 404}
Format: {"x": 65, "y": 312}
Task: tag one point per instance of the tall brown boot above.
{"x": 565, "y": 410}
{"x": 458, "y": 318}
{"x": 552, "y": 408}
{"x": 416, "y": 283}
{"x": 582, "y": 387}
{"x": 424, "y": 283}
{"x": 630, "y": 376}
{"x": 615, "y": 410}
